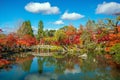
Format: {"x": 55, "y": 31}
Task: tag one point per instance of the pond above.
{"x": 28, "y": 67}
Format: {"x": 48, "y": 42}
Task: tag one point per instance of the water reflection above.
{"x": 28, "y": 67}
{"x": 40, "y": 62}
{"x": 44, "y": 76}
{"x": 75, "y": 70}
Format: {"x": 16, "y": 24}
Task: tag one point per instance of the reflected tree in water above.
{"x": 40, "y": 62}
{"x": 26, "y": 65}
{"x": 60, "y": 66}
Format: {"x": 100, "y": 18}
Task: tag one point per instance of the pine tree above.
{"x": 40, "y": 30}
{"x": 25, "y": 29}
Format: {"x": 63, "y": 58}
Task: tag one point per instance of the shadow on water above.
{"x": 28, "y": 67}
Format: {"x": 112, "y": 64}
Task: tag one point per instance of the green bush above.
{"x": 117, "y": 58}
{"x": 116, "y": 50}
{"x": 83, "y": 51}
{"x": 56, "y": 49}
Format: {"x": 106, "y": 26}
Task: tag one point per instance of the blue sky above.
{"x": 54, "y": 13}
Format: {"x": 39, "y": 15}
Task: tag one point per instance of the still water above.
{"x": 27, "y": 67}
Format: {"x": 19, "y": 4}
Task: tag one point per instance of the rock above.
{"x": 84, "y": 56}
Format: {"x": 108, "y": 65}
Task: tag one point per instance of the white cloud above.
{"x": 44, "y": 8}
{"x": 7, "y": 28}
{"x": 76, "y": 69}
{"x": 59, "y": 22}
{"x": 43, "y": 76}
{"x": 108, "y": 8}
{"x": 34, "y": 29}
{"x": 71, "y": 16}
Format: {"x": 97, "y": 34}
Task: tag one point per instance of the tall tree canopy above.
{"x": 90, "y": 25}
{"x": 60, "y": 36}
{"x": 114, "y": 23}
{"x": 49, "y": 33}
{"x": 25, "y": 29}
{"x": 40, "y": 30}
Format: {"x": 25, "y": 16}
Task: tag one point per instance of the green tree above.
{"x": 90, "y": 25}
{"x": 87, "y": 42}
{"x": 60, "y": 36}
{"x": 116, "y": 49}
{"x": 113, "y": 23}
{"x": 25, "y": 29}
{"x": 49, "y": 33}
{"x": 40, "y": 30}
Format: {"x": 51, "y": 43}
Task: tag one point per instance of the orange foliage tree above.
{"x": 26, "y": 40}
{"x": 114, "y": 38}
{"x": 8, "y": 41}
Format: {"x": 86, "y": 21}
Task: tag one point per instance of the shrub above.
{"x": 116, "y": 49}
